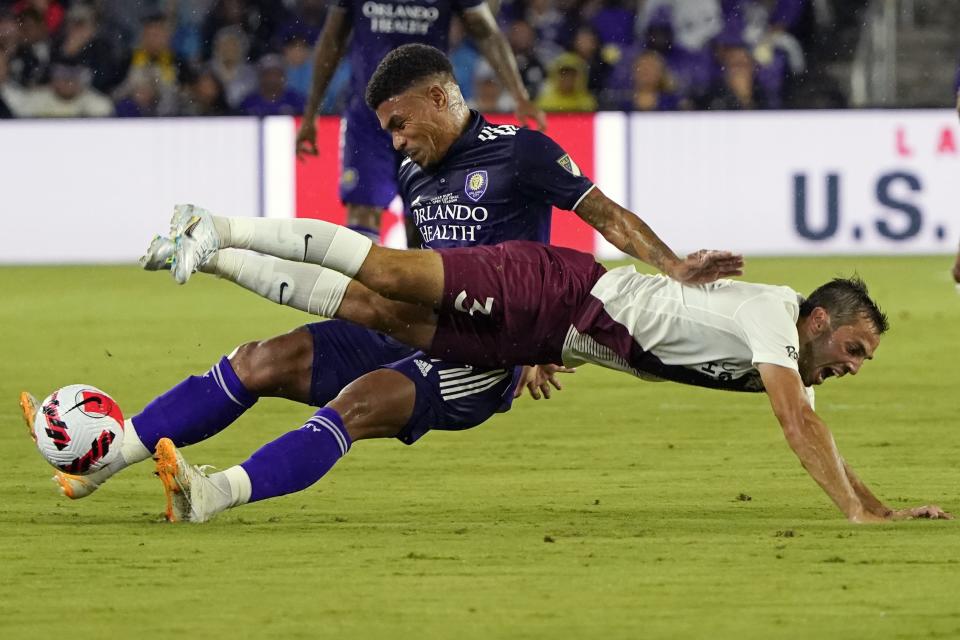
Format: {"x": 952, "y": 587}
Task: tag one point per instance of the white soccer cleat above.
{"x": 70, "y": 486}
{"x": 159, "y": 255}
{"x": 195, "y": 240}
{"x": 191, "y": 495}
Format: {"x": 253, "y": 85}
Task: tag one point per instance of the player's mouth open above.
{"x": 827, "y": 372}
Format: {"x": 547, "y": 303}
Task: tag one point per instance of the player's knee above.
{"x": 269, "y": 367}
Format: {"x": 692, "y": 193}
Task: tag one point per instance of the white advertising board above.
{"x": 843, "y": 182}
{"x": 97, "y": 190}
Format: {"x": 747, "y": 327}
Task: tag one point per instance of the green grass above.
{"x": 611, "y": 511}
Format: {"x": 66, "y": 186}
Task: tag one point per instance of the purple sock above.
{"x": 297, "y": 459}
{"x": 196, "y": 409}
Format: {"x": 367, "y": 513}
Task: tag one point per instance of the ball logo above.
{"x": 475, "y": 185}
{"x": 97, "y": 405}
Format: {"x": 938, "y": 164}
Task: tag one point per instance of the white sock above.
{"x": 301, "y": 240}
{"x": 234, "y": 482}
{"x": 307, "y": 287}
{"x": 131, "y": 452}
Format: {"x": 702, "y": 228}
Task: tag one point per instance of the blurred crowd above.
{"x": 139, "y": 58}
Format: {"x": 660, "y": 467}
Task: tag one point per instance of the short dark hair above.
{"x": 402, "y": 68}
{"x": 846, "y": 300}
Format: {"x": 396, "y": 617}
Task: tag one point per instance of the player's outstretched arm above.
{"x": 627, "y": 232}
{"x": 813, "y": 443}
{"x": 329, "y": 50}
{"x": 482, "y": 26}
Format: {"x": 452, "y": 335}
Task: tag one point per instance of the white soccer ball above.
{"x": 79, "y": 429}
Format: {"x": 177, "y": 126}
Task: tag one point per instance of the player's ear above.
{"x": 820, "y": 320}
{"x": 438, "y": 96}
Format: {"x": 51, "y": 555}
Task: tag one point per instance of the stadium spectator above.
{"x": 155, "y": 51}
{"x": 694, "y": 23}
{"x": 488, "y": 93}
{"x": 9, "y": 33}
{"x": 205, "y": 96}
{"x": 738, "y": 89}
{"x": 121, "y": 20}
{"x": 612, "y": 22}
{"x": 694, "y": 72}
{"x": 30, "y": 63}
{"x": 587, "y": 45}
{"x": 144, "y": 94}
{"x": 9, "y": 93}
{"x": 80, "y": 43}
{"x": 464, "y": 57}
{"x": 69, "y": 95}
{"x": 230, "y": 64}
{"x": 523, "y": 40}
{"x": 273, "y": 98}
{"x": 550, "y": 27}
{"x": 257, "y": 18}
{"x": 298, "y": 58}
{"x": 566, "y": 86}
{"x": 187, "y": 17}
{"x": 652, "y": 85}
{"x": 305, "y": 22}
{"x": 50, "y": 11}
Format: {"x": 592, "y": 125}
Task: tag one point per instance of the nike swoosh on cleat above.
{"x": 191, "y": 225}
{"x": 306, "y": 243}
{"x": 283, "y": 285}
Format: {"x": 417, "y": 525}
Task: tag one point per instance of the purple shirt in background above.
{"x": 290, "y": 103}
{"x": 956, "y": 83}
{"x": 614, "y": 25}
{"x": 380, "y": 26}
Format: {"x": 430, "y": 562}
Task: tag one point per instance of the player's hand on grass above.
{"x": 538, "y": 380}
{"x": 706, "y": 266}
{"x": 930, "y": 512}
{"x": 527, "y": 110}
{"x": 307, "y": 138}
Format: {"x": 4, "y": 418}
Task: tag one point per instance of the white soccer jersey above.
{"x": 711, "y": 335}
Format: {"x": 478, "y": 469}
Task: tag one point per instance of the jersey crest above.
{"x": 476, "y": 184}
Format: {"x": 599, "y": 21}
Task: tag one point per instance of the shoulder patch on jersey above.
{"x": 567, "y": 163}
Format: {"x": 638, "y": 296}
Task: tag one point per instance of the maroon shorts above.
{"x": 512, "y": 303}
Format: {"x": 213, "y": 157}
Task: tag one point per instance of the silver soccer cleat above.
{"x": 195, "y": 240}
{"x": 159, "y": 255}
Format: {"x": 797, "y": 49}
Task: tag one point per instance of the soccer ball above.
{"x": 78, "y": 429}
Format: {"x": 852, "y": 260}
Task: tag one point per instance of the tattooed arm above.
{"x": 627, "y": 232}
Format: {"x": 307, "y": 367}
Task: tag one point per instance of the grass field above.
{"x": 619, "y": 509}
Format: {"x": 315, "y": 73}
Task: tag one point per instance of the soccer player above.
{"x": 515, "y": 176}
{"x": 366, "y": 32}
{"x": 518, "y": 302}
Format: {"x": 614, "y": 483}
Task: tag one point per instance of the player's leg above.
{"x": 311, "y": 364}
{"x": 409, "y": 276}
{"x": 368, "y": 170}
{"x": 376, "y": 405}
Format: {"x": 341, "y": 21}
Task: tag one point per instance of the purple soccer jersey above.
{"x": 380, "y": 26}
{"x": 368, "y": 175}
{"x": 496, "y": 183}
